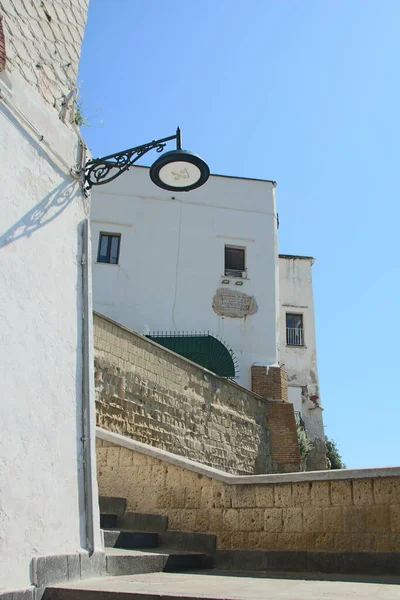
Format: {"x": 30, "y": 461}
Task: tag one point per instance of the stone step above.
{"x": 131, "y": 562}
{"x": 188, "y": 542}
{"x": 142, "y": 522}
{"x": 130, "y": 540}
{"x": 108, "y": 521}
{"x": 110, "y": 505}
{"x": 187, "y": 561}
{"x": 235, "y": 586}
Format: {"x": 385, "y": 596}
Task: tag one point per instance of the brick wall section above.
{"x": 359, "y": 515}
{"x": 43, "y": 43}
{"x": 284, "y": 442}
{"x": 2, "y": 45}
{"x": 269, "y": 383}
{"x": 156, "y": 397}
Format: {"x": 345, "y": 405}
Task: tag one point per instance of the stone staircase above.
{"x": 141, "y": 543}
{"x": 146, "y": 561}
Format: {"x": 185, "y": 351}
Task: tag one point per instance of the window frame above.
{"x": 110, "y": 235}
{"x": 244, "y": 271}
{"x": 294, "y": 314}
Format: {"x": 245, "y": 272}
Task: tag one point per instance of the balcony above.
{"x": 294, "y": 336}
{"x": 236, "y": 273}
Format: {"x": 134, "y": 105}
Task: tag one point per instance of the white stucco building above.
{"x": 298, "y": 352}
{"x": 171, "y": 265}
{"x": 48, "y": 497}
{"x": 203, "y": 261}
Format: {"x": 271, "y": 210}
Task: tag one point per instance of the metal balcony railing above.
{"x": 294, "y": 336}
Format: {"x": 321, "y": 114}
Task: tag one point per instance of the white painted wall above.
{"x": 41, "y": 481}
{"x": 300, "y": 362}
{"x": 172, "y": 259}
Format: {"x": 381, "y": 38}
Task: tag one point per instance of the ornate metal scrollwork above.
{"x": 105, "y": 169}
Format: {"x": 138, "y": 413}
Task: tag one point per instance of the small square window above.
{"x": 294, "y": 329}
{"x": 109, "y": 244}
{"x": 235, "y": 261}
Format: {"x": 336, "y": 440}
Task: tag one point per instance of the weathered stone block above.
{"x": 202, "y": 522}
{"x": 243, "y": 496}
{"x": 377, "y": 518}
{"x": 230, "y": 520}
{"x": 163, "y": 498}
{"x": 363, "y": 542}
{"x": 325, "y": 541}
{"x": 261, "y": 540}
{"x": 286, "y": 541}
{"x": 207, "y": 497}
{"x": 333, "y": 520}
{"x": 173, "y": 476}
{"x": 385, "y": 542}
{"x": 273, "y": 520}
{"x": 341, "y": 493}
{"x": 101, "y": 457}
{"x": 158, "y": 475}
{"x": 264, "y": 496}
{"x": 362, "y": 491}
{"x": 216, "y": 523}
{"x": 354, "y": 519}
{"x": 395, "y": 517}
{"x": 283, "y": 495}
{"x": 193, "y": 498}
{"x": 320, "y": 495}
{"x": 313, "y": 519}
{"x": 292, "y": 520}
{"x": 386, "y": 490}
{"x": 113, "y": 453}
{"x": 177, "y": 497}
{"x": 140, "y": 460}
{"x": 301, "y": 494}
{"x": 175, "y": 519}
{"x": 251, "y": 519}
{"x": 222, "y": 496}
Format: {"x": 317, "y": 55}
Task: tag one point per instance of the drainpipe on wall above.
{"x": 87, "y": 382}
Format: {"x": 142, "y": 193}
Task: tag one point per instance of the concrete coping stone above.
{"x": 191, "y": 465}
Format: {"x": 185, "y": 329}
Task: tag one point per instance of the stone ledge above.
{"x": 297, "y": 477}
{"x": 368, "y": 563}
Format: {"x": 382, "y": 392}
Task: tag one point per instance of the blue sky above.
{"x": 303, "y": 92}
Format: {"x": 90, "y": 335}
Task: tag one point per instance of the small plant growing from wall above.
{"x": 305, "y": 445}
{"x": 80, "y": 118}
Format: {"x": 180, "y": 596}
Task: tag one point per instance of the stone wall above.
{"x": 43, "y": 42}
{"x": 335, "y": 511}
{"x": 156, "y": 397}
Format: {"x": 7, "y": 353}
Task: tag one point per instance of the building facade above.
{"x": 298, "y": 352}
{"x": 48, "y": 497}
{"x": 179, "y": 266}
{"x": 176, "y": 266}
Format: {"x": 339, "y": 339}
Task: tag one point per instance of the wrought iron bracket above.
{"x": 99, "y": 171}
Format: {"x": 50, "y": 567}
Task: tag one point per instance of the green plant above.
{"x": 335, "y": 461}
{"x": 305, "y": 444}
{"x": 80, "y": 118}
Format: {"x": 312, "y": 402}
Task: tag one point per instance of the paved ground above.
{"x": 240, "y": 586}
